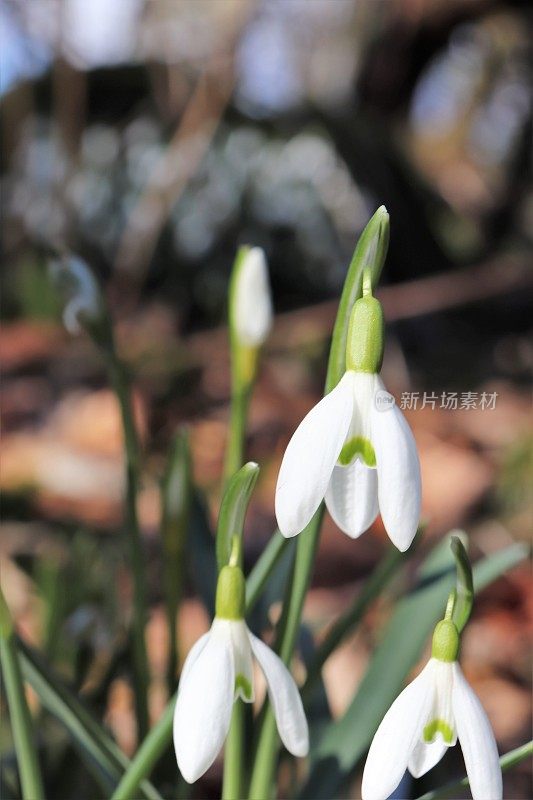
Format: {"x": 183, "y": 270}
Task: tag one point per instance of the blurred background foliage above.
{"x": 153, "y": 138}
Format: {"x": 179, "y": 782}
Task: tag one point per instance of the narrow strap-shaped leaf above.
{"x": 89, "y": 737}
{"x": 176, "y": 495}
{"x": 345, "y": 741}
{"x": 233, "y": 510}
{"x": 507, "y": 761}
{"x": 21, "y": 722}
{"x": 120, "y": 381}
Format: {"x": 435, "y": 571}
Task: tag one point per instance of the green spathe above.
{"x": 445, "y": 645}
{"x": 231, "y": 589}
{"x": 364, "y": 345}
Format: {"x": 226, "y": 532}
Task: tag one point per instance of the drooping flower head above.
{"x": 431, "y": 714}
{"x": 354, "y": 449}
{"x": 217, "y": 671}
{"x": 83, "y": 298}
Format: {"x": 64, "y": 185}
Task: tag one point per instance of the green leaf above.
{"x": 233, "y": 510}
{"x": 464, "y": 584}
{"x": 346, "y": 740}
{"x": 507, "y": 761}
{"x": 91, "y": 740}
{"x": 19, "y": 714}
{"x": 176, "y": 492}
{"x": 369, "y": 253}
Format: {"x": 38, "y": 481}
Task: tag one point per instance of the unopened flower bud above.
{"x": 251, "y": 305}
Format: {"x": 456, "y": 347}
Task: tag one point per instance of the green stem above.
{"x": 262, "y": 781}
{"x": 146, "y": 757}
{"x": 507, "y": 761}
{"x": 21, "y": 725}
{"x": 233, "y": 780}
{"x": 121, "y": 387}
{"x": 232, "y": 787}
{"x": 263, "y": 567}
{"x": 234, "y": 456}
{"x": 176, "y": 500}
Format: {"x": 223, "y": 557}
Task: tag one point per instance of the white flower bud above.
{"x": 251, "y": 302}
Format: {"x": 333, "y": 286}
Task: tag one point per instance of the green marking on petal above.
{"x": 438, "y": 726}
{"x": 357, "y": 446}
{"x": 244, "y": 685}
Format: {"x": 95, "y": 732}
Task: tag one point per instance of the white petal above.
{"x": 352, "y": 498}
{"x": 477, "y": 741}
{"x": 252, "y": 309}
{"x": 425, "y": 756}
{"x": 396, "y": 737}
{"x": 399, "y": 489}
{"x": 192, "y": 656}
{"x": 285, "y": 699}
{"x": 427, "y": 753}
{"x": 242, "y": 658}
{"x": 204, "y": 704}
{"x": 310, "y": 457}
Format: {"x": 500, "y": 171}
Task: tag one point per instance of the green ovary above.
{"x": 438, "y": 726}
{"x": 244, "y": 685}
{"x": 357, "y": 446}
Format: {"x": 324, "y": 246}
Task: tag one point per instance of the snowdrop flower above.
{"x": 354, "y": 448}
{"x": 84, "y": 301}
{"x": 251, "y": 303}
{"x": 217, "y": 671}
{"x": 431, "y": 714}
